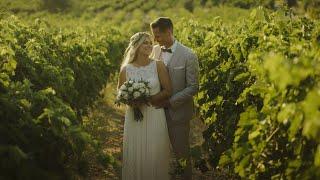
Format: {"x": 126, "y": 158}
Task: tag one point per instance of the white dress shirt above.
{"x": 166, "y": 56}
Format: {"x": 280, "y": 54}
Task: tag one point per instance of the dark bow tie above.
{"x": 166, "y": 50}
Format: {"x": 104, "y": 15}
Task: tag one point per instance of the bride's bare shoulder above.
{"x": 123, "y": 69}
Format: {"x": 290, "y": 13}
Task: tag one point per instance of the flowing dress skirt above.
{"x": 146, "y": 146}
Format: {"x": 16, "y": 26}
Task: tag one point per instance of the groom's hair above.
{"x": 163, "y": 23}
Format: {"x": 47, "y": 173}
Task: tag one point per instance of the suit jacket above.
{"x": 183, "y": 70}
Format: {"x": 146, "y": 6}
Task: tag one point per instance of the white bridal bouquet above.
{"x": 132, "y": 92}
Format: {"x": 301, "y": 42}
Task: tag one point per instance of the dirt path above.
{"x": 106, "y": 124}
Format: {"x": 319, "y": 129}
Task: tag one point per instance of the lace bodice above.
{"x": 147, "y": 73}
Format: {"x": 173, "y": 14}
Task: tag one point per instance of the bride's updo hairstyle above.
{"x": 135, "y": 41}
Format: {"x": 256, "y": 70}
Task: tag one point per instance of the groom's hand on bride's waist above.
{"x": 163, "y": 104}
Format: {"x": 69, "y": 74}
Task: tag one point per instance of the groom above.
{"x": 183, "y": 67}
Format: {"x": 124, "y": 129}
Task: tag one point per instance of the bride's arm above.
{"x": 122, "y": 77}
{"x": 165, "y": 83}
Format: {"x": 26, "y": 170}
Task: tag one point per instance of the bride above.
{"x": 146, "y": 144}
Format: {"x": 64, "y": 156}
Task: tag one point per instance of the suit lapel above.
{"x": 175, "y": 55}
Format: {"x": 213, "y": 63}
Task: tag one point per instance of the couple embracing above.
{"x": 171, "y": 70}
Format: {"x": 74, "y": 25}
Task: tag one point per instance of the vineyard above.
{"x": 259, "y": 92}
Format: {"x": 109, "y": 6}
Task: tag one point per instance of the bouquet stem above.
{"x": 138, "y": 116}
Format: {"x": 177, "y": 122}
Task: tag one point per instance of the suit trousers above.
{"x": 179, "y": 138}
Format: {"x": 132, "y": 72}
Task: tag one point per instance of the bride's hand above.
{"x": 153, "y": 101}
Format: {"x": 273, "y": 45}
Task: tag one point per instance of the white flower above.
{"x": 130, "y": 89}
{"x": 125, "y": 95}
{"x": 147, "y": 92}
{"x": 136, "y": 94}
{"x": 141, "y": 85}
{"x": 136, "y": 85}
{"x": 123, "y": 87}
{"x": 122, "y": 93}
{"x": 142, "y": 90}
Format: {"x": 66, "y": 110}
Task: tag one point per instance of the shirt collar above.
{"x": 173, "y": 46}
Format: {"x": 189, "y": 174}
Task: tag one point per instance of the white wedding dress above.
{"x": 146, "y": 144}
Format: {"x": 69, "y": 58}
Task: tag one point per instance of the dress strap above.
{"x": 155, "y": 69}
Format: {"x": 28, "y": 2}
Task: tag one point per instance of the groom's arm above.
{"x": 192, "y": 83}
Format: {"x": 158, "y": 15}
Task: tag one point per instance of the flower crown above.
{"x": 137, "y": 37}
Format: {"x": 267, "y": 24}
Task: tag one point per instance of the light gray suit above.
{"x": 183, "y": 69}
